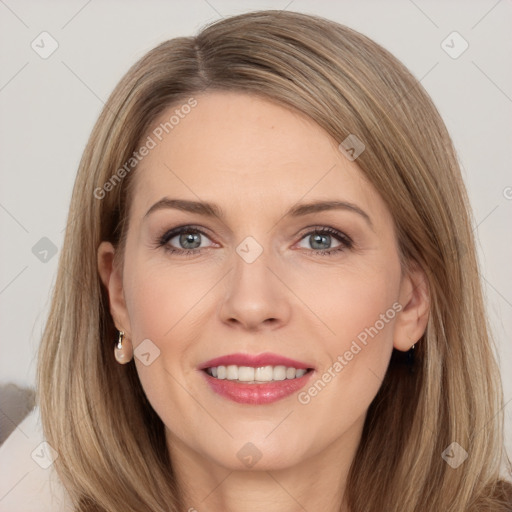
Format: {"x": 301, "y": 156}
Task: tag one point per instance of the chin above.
{"x": 258, "y": 456}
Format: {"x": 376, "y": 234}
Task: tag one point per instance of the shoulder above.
{"x": 29, "y": 481}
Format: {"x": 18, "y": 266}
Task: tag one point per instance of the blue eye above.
{"x": 190, "y": 240}
{"x": 187, "y": 236}
{"x": 320, "y": 236}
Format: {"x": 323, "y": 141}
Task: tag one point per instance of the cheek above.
{"x": 352, "y": 302}
{"x": 158, "y": 297}
{"x": 160, "y": 303}
{"x": 359, "y": 309}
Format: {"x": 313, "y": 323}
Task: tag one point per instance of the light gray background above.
{"x": 48, "y": 107}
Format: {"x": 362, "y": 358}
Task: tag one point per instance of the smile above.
{"x": 255, "y": 379}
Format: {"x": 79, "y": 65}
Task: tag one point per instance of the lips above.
{"x": 256, "y": 393}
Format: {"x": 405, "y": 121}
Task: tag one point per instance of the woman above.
{"x": 205, "y": 350}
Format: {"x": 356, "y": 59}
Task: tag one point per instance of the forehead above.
{"x": 248, "y": 152}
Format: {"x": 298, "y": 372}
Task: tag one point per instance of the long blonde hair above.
{"x": 111, "y": 443}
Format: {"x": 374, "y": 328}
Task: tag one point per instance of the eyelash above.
{"x": 346, "y": 242}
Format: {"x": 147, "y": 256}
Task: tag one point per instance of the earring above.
{"x": 123, "y": 353}
{"x": 410, "y": 359}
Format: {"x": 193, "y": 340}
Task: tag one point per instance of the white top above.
{"x": 28, "y": 480}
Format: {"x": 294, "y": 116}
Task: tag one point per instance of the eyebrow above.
{"x": 299, "y": 210}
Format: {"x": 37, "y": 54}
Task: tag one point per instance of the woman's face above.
{"x": 257, "y": 280}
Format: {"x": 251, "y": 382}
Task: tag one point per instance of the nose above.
{"x": 255, "y": 296}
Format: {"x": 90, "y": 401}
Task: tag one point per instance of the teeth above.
{"x": 264, "y": 373}
{"x": 280, "y": 372}
{"x": 290, "y": 373}
{"x": 231, "y": 372}
{"x": 252, "y": 375}
{"x": 245, "y": 373}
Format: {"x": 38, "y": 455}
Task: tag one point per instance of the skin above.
{"x": 256, "y": 159}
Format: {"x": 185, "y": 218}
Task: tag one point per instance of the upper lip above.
{"x": 254, "y": 360}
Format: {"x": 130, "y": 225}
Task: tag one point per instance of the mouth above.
{"x": 255, "y": 379}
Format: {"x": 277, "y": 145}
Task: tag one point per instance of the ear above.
{"x": 112, "y": 279}
{"x": 411, "y": 321}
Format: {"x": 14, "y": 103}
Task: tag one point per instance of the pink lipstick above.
{"x": 255, "y": 379}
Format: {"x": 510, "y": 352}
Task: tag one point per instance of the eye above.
{"x": 319, "y": 238}
{"x": 186, "y": 240}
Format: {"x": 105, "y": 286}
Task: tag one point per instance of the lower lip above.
{"x": 257, "y": 394}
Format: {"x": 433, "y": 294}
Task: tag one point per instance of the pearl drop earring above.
{"x": 123, "y": 352}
